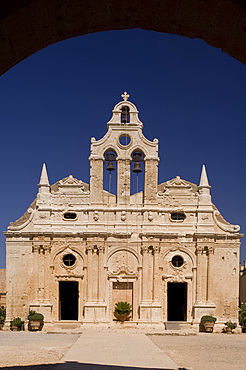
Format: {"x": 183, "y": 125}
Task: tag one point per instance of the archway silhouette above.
{"x": 28, "y": 26}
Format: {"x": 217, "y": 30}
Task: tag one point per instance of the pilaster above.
{"x": 150, "y": 181}
{"x": 96, "y": 180}
{"x": 123, "y": 181}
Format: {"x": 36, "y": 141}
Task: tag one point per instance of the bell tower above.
{"x": 124, "y": 144}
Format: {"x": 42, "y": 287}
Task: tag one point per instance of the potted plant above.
{"x": 35, "y": 321}
{"x": 230, "y": 326}
{"x": 15, "y": 324}
{"x": 2, "y": 316}
{"x": 122, "y": 311}
{"x": 208, "y": 322}
{"x": 242, "y": 317}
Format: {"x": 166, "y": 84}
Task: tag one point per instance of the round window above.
{"x": 124, "y": 140}
{"x": 69, "y": 260}
{"x": 177, "y": 261}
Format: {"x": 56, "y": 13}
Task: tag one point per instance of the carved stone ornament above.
{"x": 177, "y": 182}
{"x": 64, "y": 277}
{"x": 41, "y": 247}
{"x": 91, "y": 249}
{"x": 70, "y": 180}
{"x": 204, "y": 250}
{"x": 71, "y": 185}
{"x": 123, "y": 215}
{"x": 96, "y": 215}
{"x": 225, "y": 226}
{"x": 123, "y": 263}
{"x": 178, "y": 278}
{"x": 150, "y": 216}
{"x": 23, "y": 221}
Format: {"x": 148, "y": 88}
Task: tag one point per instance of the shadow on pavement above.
{"x": 79, "y": 366}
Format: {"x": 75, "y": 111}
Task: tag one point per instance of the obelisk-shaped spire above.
{"x": 44, "y": 181}
{"x": 204, "y": 178}
{"x": 204, "y": 188}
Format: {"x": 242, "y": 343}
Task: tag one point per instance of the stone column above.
{"x": 202, "y": 306}
{"x": 92, "y": 268}
{"x": 123, "y": 181}
{"x": 150, "y": 181}
{"x": 210, "y": 277}
{"x": 146, "y": 279}
{"x": 156, "y": 280}
{"x": 35, "y": 250}
{"x": 47, "y": 273}
{"x": 101, "y": 274}
{"x": 201, "y": 274}
{"x": 194, "y": 270}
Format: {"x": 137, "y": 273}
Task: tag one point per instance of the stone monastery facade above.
{"x": 166, "y": 249}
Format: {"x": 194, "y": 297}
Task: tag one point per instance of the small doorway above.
{"x": 177, "y": 301}
{"x": 122, "y": 292}
{"x": 69, "y": 298}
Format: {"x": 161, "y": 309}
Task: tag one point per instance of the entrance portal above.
{"x": 177, "y": 301}
{"x": 122, "y": 292}
{"x": 69, "y": 295}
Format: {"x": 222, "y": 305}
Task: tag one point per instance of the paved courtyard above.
{"x": 118, "y": 350}
{"x": 205, "y": 351}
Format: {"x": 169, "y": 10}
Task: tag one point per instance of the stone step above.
{"x": 172, "y": 325}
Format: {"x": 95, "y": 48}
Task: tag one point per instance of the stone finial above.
{"x": 125, "y": 96}
{"x": 204, "y": 178}
{"x": 44, "y": 181}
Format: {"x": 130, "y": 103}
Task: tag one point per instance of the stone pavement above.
{"x": 115, "y": 351}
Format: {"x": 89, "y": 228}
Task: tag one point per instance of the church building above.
{"x": 164, "y": 248}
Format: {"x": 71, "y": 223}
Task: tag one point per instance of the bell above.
{"x": 110, "y": 158}
{"x": 110, "y": 166}
{"x": 137, "y": 168}
{"x": 124, "y": 114}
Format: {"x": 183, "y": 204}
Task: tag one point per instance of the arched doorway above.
{"x": 28, "y": 26}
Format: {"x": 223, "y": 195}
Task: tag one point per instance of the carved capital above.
{"x": 157, "y": 249}
{"x": 199, "y": 249}
{"x": 41, "y": 247}
{"x": 209, "y": 250}
{"x": 147, "y": 249}
{"x": 91, "y": 249}
{"x": 101, "y": 249}
{"x": 205, "y": 250}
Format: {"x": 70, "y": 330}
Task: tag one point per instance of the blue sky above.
{"x": 189, "y": 95}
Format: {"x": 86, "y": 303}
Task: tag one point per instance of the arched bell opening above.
{"x": 125, "y": 114}
{"x": 137, "y": 172}
{"x": 110, "y": 172}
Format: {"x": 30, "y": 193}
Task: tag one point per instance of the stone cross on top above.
{"x": 125, "y": 96}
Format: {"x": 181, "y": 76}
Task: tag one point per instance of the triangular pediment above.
{"x": 70, "y": 181}
{"x": 177, "y": 182}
